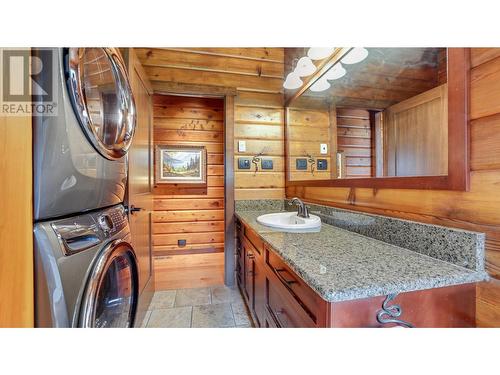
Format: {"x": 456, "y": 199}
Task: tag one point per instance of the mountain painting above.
{"x": 182, "y": 165}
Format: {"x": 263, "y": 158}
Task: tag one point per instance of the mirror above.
{"x": 368, "y": 113}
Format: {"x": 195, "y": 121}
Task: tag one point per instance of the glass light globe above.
{"x": 355, "y": 56}
{"x": 305, "y": 67}
{"x": 292, "y": 81}
{"x": 337, "y": 71}
{"x": 320, "y": 85}
{"x": 318, "y": 53}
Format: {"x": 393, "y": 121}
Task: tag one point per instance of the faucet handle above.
{"x": 305, "y": 211}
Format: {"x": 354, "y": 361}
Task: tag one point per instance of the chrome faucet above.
{"x": 303, "y": 209}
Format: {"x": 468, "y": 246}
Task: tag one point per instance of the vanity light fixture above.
{"x": 305, "y": 67}
{"x": 355, "y": 55}
{"x": 320, "y": 85}
{"x": 319, "y": 53}
{"x": 336, "y": 72}
{"x": 292, "y": 81}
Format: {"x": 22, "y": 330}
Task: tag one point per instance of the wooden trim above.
{"x": 458, "y": 140}
{"x": 229, "y": 238}
{"x": 322, "y": 68}
{"x": 186, "y": 89}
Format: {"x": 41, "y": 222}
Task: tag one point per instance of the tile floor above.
{"x": 215, "y": 307}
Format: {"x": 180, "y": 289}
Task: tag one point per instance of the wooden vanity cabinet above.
{"x": 278, "y": 298}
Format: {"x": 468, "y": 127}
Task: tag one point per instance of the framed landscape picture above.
{"x": 181, "y": 164}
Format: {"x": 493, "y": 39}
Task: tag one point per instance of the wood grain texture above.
{"x": 16, "y": 223}
{"x": 262, "y": 129}
{"x": 475, "y": 210}
{"x": 354, "y": 132}
{"x": 189, "y": 271}
{"x": 194, "y": 214}
{"x": 254, "y": 74}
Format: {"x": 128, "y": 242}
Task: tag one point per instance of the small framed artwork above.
{"x": 181, "y": 165}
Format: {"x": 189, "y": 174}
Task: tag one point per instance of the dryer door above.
{"x": 112, "y": 292}
{"x": 102, "y": 98}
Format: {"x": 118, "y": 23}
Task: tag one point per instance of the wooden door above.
{"x": 139, "y": 196}
{"x": 416, "y": 135}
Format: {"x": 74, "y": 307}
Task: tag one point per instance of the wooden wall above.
{"x": 257, "y": 74}
{"x": 354, "y": 139}
{"x": 16, "y": 223}
{"x": 478, "y": 209}
{"x": 306, "y": 130}
{"x": 182, "y": 212}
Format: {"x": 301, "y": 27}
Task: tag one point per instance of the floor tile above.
{"x": 145, "y": 320}
{"x": 162, "y": 300}
{"x": 241, "y": 314}
{"x": 177, "y": 317}
{"x": 192, "y": 297}
{"x": 213, "y": 316}
{"x": 224, "y": 294}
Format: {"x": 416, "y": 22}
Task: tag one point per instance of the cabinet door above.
{"x": 240, "y": 263}
{"x": 259, "y": 293}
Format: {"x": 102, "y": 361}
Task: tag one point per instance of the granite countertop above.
{"x": 341, "y": 265}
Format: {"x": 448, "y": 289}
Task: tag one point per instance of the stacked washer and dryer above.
{"x": 86, "y": 271}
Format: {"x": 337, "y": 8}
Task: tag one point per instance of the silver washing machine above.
{"x": 86, "y": 272}
{"x": 80, "y": 161}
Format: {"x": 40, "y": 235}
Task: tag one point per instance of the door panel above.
{"x": 140, "y": 172}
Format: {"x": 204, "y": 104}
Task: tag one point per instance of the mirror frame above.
{"x": 458, "y": 137}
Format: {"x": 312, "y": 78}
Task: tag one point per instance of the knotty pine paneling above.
{"x": 354, "y": 138}
{"x": 476, "y": 210}
{"x": 257, "y": 74}
{"x": 306, "y": 130}
{"x": 191, "y": 213}
{"x": 262, "y": 128}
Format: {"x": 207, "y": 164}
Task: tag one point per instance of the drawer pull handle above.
{"x": 391, "y": 313}
{"x": 282, "y": 279}
{"x": 250, "y": 256}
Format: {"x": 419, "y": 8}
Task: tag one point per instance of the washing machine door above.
{"x": 112, "y": 291}
{"x": 102, "y": 99}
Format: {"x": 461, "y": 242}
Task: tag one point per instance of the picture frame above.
{"x": 185, "y": 165}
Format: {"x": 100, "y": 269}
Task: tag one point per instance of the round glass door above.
{"x": 102, "y": 98}
{"x": 111, "y": 297}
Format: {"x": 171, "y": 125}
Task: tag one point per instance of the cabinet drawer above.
{"x": 286, "y": 313}
{"x": 307, "y": 298}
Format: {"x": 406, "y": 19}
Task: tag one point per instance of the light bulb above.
{"x": 318, "y": 53}
{"x": 320, "y": 85}
{"x": 305, "y": 67}
{"x": 292, "y": 81}
{"x": 337, "y": 71}
{"x": 355, "y": 56}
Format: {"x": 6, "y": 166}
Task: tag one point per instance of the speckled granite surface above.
{"x": 341, "y": 265}
{"x": 460, "y": 247}
{"x": 260, "y": 205}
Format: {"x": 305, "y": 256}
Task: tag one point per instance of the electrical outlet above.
{"x": 242, "y": 146}
{"x": 243, "y": 163}
{"x": 323, "y": 149}
{"x": 267, "y": 163}
{"x": 322, "y": 164}
{"x": 301, "y": 164}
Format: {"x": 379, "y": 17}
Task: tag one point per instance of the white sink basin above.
{"x": 290, "y": 222}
